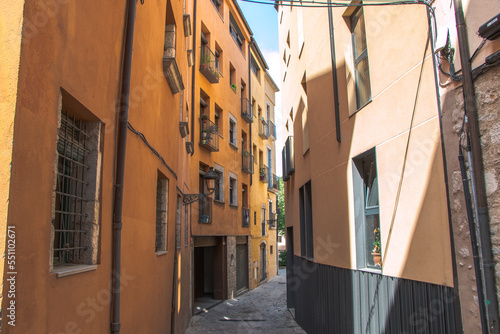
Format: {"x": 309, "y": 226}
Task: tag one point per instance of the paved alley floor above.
{"x": 262, "y": 310}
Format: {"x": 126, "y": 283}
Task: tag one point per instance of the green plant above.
{"x": 376, "y": 240}
{"x": 234, "y": 87}
{"x": 282, "y": 259}
{"x": 205, "y": 59}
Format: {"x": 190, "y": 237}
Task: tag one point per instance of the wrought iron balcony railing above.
{"x": 263, "y": 173}
{"x": 245, "y": 222}
{"x": 205, "y": 210}
{"x": 273, "y": 183}
{"x": 246, "y": 162}
{"x": 209, "y": 135}
{"x": 208, "y": 65}
{"x": 273, "y": 221}
{"x": 272, "y": 130}
{"x": 263, "y": 129}
{"x": 246, "y": 110}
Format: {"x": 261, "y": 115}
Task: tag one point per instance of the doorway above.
{"x": 263, "y": 266}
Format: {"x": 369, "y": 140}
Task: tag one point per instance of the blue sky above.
{"x": 263, "y": 20}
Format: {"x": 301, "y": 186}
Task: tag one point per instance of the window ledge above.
{"x": 234, "y": 147}
{"x": 372, "y": 270}
{"x": 233, "y": 206}
{"x": 358, "y": 109}
{"x": 160, "y": 253}
{"x": 69, "y": 270}
{"x": 216, "y": 201}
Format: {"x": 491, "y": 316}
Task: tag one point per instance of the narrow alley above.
{"x": 262, "y": 310}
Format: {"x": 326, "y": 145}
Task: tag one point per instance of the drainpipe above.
{"x": 473, "y": 239}
{"x": 250, "y": 100}
{"x": 120, "y": 163}
{"x": 193, "y": 77}
{"x": 334, "y": 72}
{"x": 478, "y": 176}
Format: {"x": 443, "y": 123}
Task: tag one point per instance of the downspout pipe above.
{"x": 334, "y": 73}
{"x": 250, "y": 98}
{"x": 120, "y": 163}
{"x": 473, "y": 239}
{"x": 478, "y": 176}
{"x": 193, "y": 77}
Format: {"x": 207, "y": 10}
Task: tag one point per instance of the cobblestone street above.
{"x": 262, "y": 310}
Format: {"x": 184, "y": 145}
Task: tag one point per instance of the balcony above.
{"x": 245, "y": 222}
{"x": 246, "y": 110}
{"x": 290, "y": 156}
{"x": 205, "y": 210}
{"x": 273, "y": 220}
{"x": 263, "y": 173}
{"x": 209, "y": 135}
{"x": 272, "y": 130}
{"x": 208, "y": 65}
{"x": 263, "y": 129}
{"x": 273, "y": 185}
{"x": 246, "y": 162}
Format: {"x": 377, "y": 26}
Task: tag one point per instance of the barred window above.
{"x": 76, "y": 194}
{"x": 161, "y": 213}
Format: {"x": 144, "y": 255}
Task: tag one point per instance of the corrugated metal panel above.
{"x": 336, "y": 300}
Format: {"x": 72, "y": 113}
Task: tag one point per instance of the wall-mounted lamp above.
{"x": 210, "y": 178}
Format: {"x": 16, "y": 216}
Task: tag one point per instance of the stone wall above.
{"x": 488, "y": 102}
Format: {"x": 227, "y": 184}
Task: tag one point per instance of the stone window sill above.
{"x": 160, "y": 253}
{"x": 69, "y": 270}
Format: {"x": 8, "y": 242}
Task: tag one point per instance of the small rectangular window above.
{"x": 161, "y": 213}
{"x": 233, "y": 190}
{"x": 219, "y": 183}
{"x": 306, "y": 222}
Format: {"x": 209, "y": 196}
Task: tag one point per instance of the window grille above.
{"x": 161, "y": 215}
{"x": 69, "y": 192}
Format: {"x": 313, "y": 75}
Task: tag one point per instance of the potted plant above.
{"x": 205, "y": 59}
{"x": 245, "y": 153}
{"x": 234, "y": 87}
{"x": 204, "y": 116}
{"x": 377, "y": 258}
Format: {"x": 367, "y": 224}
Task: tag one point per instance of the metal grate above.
{"x": 160, "y": 215}
{"x": 69, "y": 192}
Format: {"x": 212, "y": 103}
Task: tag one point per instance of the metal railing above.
{"x": 246, "y": 162}
{"x": 245, "y": 221}
{"x": 263, "y": 173}
{"x": 205, "y": 210}
{"x": 208, "y": 64}
{"x": 272, "y": 222}
{"x": 263, "y": 129}
{"x": 273, "y": 184}
{"x": 209, "y": 135}
{"x": 246, "y": 110}
{"x": 271, "y": 130}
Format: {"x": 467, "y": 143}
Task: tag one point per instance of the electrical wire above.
{"x": 321, "y": 4}
{"x": 143, "y": 138}
{"x": 477, "y": 50}
{"x": 400, "y": 186}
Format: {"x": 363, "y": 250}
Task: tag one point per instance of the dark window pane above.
{"x": 363, "y": 93}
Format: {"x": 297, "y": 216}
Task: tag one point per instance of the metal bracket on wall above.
{"x": 191, "y": 198}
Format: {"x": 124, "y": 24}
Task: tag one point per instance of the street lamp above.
{"x": 210, "y": 178}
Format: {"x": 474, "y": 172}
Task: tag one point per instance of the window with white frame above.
{"x": 233, "y": 140}
{"x": 161, "y": 213}
{"x": 219, "y": 183}
{"x": 233, "y": 189}
{"x": 75, "y": 223}
{"x": 365, "y": 187}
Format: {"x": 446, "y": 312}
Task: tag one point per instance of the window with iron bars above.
{"x": 75, "y": 222}
{"x": 161, "y": 213}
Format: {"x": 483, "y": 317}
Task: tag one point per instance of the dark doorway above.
{"x": 263, "y": 267}
{"x": 204, "y": 272}
{"x": 241, "y": 267}
{"x": 290, "y": 296}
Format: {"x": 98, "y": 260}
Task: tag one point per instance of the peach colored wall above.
{"x": 383, "y": 124}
